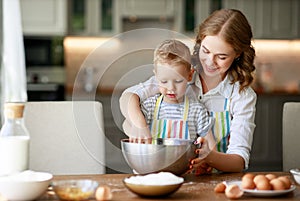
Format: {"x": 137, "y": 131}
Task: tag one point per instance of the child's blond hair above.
{"x": 173, "y": 52}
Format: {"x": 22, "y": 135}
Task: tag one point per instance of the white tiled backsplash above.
{"x": 277, "y": 63}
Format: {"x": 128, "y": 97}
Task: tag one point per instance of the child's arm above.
{"x": 135, "y": 125}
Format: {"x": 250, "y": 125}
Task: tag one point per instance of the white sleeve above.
{"x": 242, "y": 124}
{"x": 145, "y": 89}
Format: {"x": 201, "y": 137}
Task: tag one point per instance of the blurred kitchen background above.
{"x": 60, "y": 34}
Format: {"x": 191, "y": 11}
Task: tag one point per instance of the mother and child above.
{"x": 213, "y": 101}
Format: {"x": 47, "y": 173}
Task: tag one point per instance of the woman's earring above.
{"x": 237, "y": 59}
{"x": 194, "y": 60}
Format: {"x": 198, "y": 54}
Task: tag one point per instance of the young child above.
{"x": 171, "y": 114}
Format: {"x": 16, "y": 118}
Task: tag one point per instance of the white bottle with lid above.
{"x": 14, "y": 140}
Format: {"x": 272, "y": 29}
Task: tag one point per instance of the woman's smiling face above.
{"x": 216, "y": 56}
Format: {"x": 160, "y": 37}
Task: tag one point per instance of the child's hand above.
{"x": 136, "y": 133}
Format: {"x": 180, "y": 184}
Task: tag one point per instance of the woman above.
{"x": 223, "y": 57}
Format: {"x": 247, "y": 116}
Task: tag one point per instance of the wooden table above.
{"x": 194, "y": 188}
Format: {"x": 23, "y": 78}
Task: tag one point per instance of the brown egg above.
{"x": 233, "y": 191}
{"x": 248, "y": 183}
{"x": 220, "y": 188}
{"x": 263, "y": 184}
{"x": 286, "y": 181}
{"x": 277, "y": 184}
{"x": 103, "y": 193}
{"x": 271, "y": 176}
{"x": 249, "y": 176}
{"x": 259, "y": 177}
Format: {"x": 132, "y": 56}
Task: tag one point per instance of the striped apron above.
{"x": 170, "y": 128}
{"x": 221, "y": 128}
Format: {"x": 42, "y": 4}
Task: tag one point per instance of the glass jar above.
{"x": 14, "y": 140}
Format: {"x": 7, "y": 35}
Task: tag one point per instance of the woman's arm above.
{"x": 209, "y": 156}
{"x": 225, "y": 162}
{"x": 243, "y": 108}
{"x": 219, "y": 160}
{"x": 242, "y": 127}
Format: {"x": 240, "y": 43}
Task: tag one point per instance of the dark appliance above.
{"x": 44, "y": 51}
{"x": 44, "y": 58}
{"x": 45, "y": 92}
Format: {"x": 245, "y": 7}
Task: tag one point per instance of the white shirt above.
{"x": 242, "y": 108}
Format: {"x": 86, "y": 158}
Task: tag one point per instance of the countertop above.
{"x": 194, "y": 187}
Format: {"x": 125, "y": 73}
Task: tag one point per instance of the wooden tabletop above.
{"x": 194, "y": 187}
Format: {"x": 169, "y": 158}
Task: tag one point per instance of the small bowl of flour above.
{"x": 154, "y": 185}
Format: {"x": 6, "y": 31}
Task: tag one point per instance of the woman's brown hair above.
{"x": 234, "y": 28}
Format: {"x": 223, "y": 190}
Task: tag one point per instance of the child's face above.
{"x": 172, "y": 81}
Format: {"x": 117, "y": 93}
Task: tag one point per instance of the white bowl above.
{"x": 153, "y": 190}
{"x": 296, "y": 175}
{"x": 153, "y": 185}
{"x": 27, "y": 185}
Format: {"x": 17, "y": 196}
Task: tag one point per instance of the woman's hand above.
{"x": 203, "y": 149}
{"x": 209, "y": 157}
{"x": 198, "y": 165}
{"x": 200, "y": 168}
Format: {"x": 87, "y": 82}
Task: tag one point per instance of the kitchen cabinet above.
{"x": 46, "y": 17}
{"x": 146, "y": 8}
{"x": 107, "y": 17}
{"x": 157, "y": 12}
{"x": 183, "y": 15}
{"x": 110, "y": 17}
{"x": 270, "y": 19}
{"x": 203, "y": 8}
{"x": 92, "y": 18}
{"x": 266, "y": 152}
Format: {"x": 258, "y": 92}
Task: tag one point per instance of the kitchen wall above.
{"x": 277, "y": 63}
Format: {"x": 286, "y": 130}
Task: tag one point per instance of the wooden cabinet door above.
{"x": 273, "y": 19}
{"x": 44, "y": 17}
